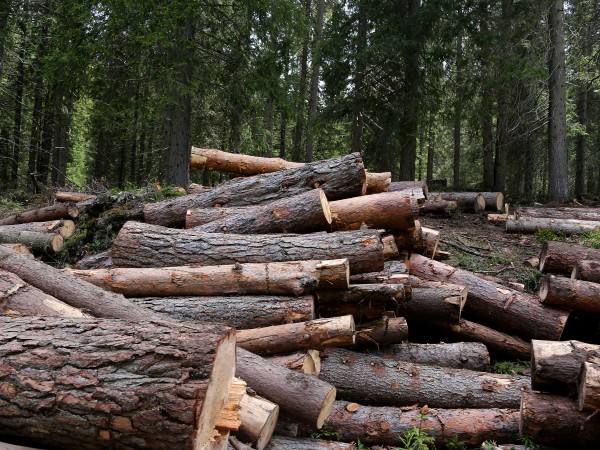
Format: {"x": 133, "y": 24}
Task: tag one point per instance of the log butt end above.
{"x": 326, "y": 407}
{"x": 57, "y": 243}
{"x": 500, "y": 202}
{"x": 544, "y": 288}
{"x": 325, "y": 206}
{"x": 479, "y": 204}
{"x": 543, "y": 256}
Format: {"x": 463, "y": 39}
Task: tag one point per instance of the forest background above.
{"x": 489, "y": 94}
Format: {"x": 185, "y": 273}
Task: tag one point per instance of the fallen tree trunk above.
{"x": 378, "y": 182}
{"x": 74, "y": 197}
{"x": 388, "y": 425}
{"x": 468, "y": 201}
{"x": 415, "y": 189}
{"x": 66, "y": 228}
{"x": 19, "y": 248}
{"x": 434, "y": 301}
{"x": 101, "y": 369}
{"x": 588, "y": 390}
{"x": 575, "y": 295}
{"x": 56, "y": 211}
{"x": 37, "y": 242}
{"x": 145, "y": 245}
{"x": 554, "y": 420}
{"x": 339, "y": 178}
{"x": 494, "y": 201}
{"x": 586, "y": 270}
{"x": 361, "y": 300}
{"x": 592, "y": 214}
{"x": 237, "y": 163}
{"x": 259, "y": 417}
{"x": 383, "y": 331}
{"x": 566, "y": 226}
{"x": 195, "y": 188}
{"x": 505, "y": 309}
{"x": 300, "y": 397}
{"x": 383, "y": 382}
{"x": 438, "y": 207}
{"x": 291, "y": 443}
{"x": 305, "y": 212}
{"x": 308, "y": 362}
{"x": 560, "y": 257}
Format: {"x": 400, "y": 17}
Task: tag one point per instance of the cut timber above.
{"x": 500, "y": 218}
{"x": 37, "y": 242}
{"x": 218, "y": 160}
{"x": 308, "y": 362}
{"x": 566, "y": 226}
{"x": 73, "y": 291}
{"x": 494, "y": 201}
{"x": 241, "y": 312}
{"x": 555, "y": 421}
{"x": 145, "y": 385}
{"x": 560, "y": 257}
{"x": 100, "y": 260}
{"x": 259, "y": 417}
{"x": 588, "y": 397}
{"x": 388, "y": 425}
{"x": 390, "y": 249}
{"x": 388, "y": 210}
{"x": 281, "y": 278}
{"x": 555, "y": 365}
{"x": 416, "y": 189}
{"x": 20, "y": 298}
{"x": 383, "y": 331}
{"x": 314, "y": 334}
{"x": 422, "y": 240}
{"x": 19, "y": 248}
{"x": 291, "y": 443}
{"x": 378, "y": 182}
{"x": 434, "y": 301}
{"x": 228, "y": 418}
{"x": 75, "y": 197}
{"x": 391, "y": 268}
{"x": 57, "y": 211}
{"x": 437, "y": 207}
{"x": 559, "y": 213}
{"x": 340, "y": 178}
{"x": 503, "y": 308}
{"x": 469, "y": 201}
{"x": 144, "y": 245}
{"x": 575, "y": 295}
{"x": 361, "y": 300}
{"x": 66, "y": 228}
{"x": 361, "y": 377}
{"x": 307, "y": 211}
{"x": 301, "y": 397}
{"x": 460, "y": 355}
{"x": 533, "y": 263}
{"x": 195, "y": 188}
{"x": 586, "y": 270}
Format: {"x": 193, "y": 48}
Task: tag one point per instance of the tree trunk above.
{"x": 378, "y": 182}
{"x": 37, "y": 242}
{"x": 56, "y": 211}
{"x": 575, "y": 295}
{"x": 438, "y": 207}
{"x": 308, "y": 362}
{"x": 259, "y": 417}
{"x": 587, "y": 270}
{"x": 143, "y": 245}
{"x": 19, "y": 248}
{"x": 469, "y": 201}
{"x": 384, "y": 331}
{"x": 18, "y": 109}
{"x": 65, "y": 228}
{"x": 588, "y": 392}
{"x": 560, "y": 257}
{"x": 504, "y": 308}
{"x": 75, "y": 197}
{"x": 590, "y": 214}
{"x": 458, "y": 107}
{"x": 567, "y": 226}
{"x": 211, "y": 159}
{"x": 290, "y": 443}
{"x": 339, "y": 178}
{"x": 582, "y": 113}
{"x": 301, "y": 92}
{"x": 434, "y": 301}
{"x": 382, "y": 382}
{"x": 128, "y": 377}
{"x": 391, "y": 268}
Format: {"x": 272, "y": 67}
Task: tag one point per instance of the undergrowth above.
{"x": 510, "y": 367}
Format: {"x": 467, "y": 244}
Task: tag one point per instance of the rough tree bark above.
{"x": 36, "y": 241}
{"x": 575, "y": 295}
{"x": 57, "y": 211}
{"x": 586, "y": 270}
{"x": 559, "y": 213}
{"x": 588, "y": 392}
{"x": 566, "y": 226}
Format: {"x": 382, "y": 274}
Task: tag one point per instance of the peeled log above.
{"x": 438, "y": 207}
{"x": 291, "y": 443}
{"x": 592, "y": 214}
{"x": 566, "y": 226}
{"x": 460, "y": 355}
{"x": 144, "y": 245}
{"x": 587, "y": 270}
{"x": 75, "y": 197}
{"x": 381, "y": 382}
{"x": 37, "y": 242}
{"x": 341, "y": 177}
{"x": 241, "y": 312}
{"x": 575, "y": 295}
{"x": 108, "y": 383}
{"x": 469, "y": 201}
{"x": 588, "y": 397}
{"x": 66, "y": 228}
{"x": 555, "y": 420}
{"x": 560, "y": 257}
{"x": 503, "y": 308}
{"x": 388, "y": 425}
{"x": 259, "y": 417}
{"x": 305, "y": 212}
{"x": 56, "y": 211}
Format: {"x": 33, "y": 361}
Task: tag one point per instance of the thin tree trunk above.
{"x": 47, "y": 135}
{"x": 313, "y": 100}
{"x": 297, "y": 148}
{"x": 486, "y": 113}
{"x": 458, "y": 111}
{"x": 17, "y": 132}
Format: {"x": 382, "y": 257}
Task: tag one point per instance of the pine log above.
{"x": 566, "y": 226}
{"x": 218, "y": 160}
{"x": 300, "y": 397}
{"x": 588, "y": 391}
{"x": 37, "y": 242}
{"x": 390, "y": 249}
{"x": 71, "y": 290}
{"x": 385, "y": 425}
{"x": 340, "y": 178}
{"x": 241, "y": 312}
{"x": 361, "y": 300}
{"x": 468, "y": 201}
{"x": 533, "y": 263}
{"x": 74, "y": 197}
{"x": 259, "y": 417}
{"x": 460, "y": 355}
{"x": 53, "y": 212}
{"x": 422, "y": 240}
{"x": 195, "y": 188}
{"x": 388, "y": 210}
{"x": 592, "y": 214}
{"x": 314, "y": 334}
{"x": 586, "y": 270}
{"x": 145, "y": 245}
{"x": 417, "y": 189}
{"x": 504, "y": 308}
{"x": 391, "y": 268}
{"x": 560, "y": 257}
{"x": 383, "y": 331}
{"x": 19, "y": 248}
{"x": 308, "y": 362}
{"x": 434, "y": 301}
{"x": 554, "y": 420}
{"x": 555, "y": 366}
{"x": 500, "y": 218}
{"x": 381, "y": 382}
{"x": 575, "y": 295}
{"x": 378, "y": 182}
{"x": 305, "y": 212}
{"x": 104, "y": 383}
{"x": 494, "y": 201}
{"x": 290, "y": 443}
{"x": 438, "y": 207}
{"x": 100, "y": 260}
{"x": 66, "y": 228}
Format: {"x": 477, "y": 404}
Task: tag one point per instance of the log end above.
{"x": 500, "y": 202}
{"x": 325, "y": 205}
{"x": 545, "y": 287}
{"x": 479, "y": 204}
{"x": 67, "y": 230}
{"x": 543, "y": 256}
{"x": 57, "y": 243}
{"x": 73, "y": 211}
{"x": 312, "y": 363}
{"x": 326, "y": 407}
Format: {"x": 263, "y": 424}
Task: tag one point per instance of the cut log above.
{"x": 390, "y": 249}
{"x": 592, "y": 214}
{"x": 422, "y": 240}
{"x": 391, "y": 268}
{"x": 108, "y": 383}
{"x": 417, "y": 189}
{"x": 57, "y": 211}
{"x": 438, "y": 207}
{"x": 66, "y": 228}
{"x": 503, "y": 308}
{"x": 314, "y": 334}
{"x": 282, "y": 278}
{"x": 362, "y": 300}
{"x": 575, "y": 295}
{"x": 388, "y": 425}
{"x": 19, "y": 248}
{"x": 588, "y": 390}
{"x": 494, "y": 201}
{"x": 381, "y": 382}
{"x": 241, "y": 312}
{"x": 560, "y": 257}
{"x": 555, "y": 366}
{"x": 460, "y": 355}
{"x": 533, "y": 263}
{"x": 100, "y": 260}
{"x": 145, "y": 245}
{"x": 300, "y": 397}
{"x": 388, "y": 210}
{"x": 308, "y": 362}
{"x": 73, "y": 291}
{"x": 554, "y": 420}
{"x": 259, "y": 417}
{"x": 340, "y": 178}
{"x": 500, "y": 218}
{"x": 305, "y": 212}
{"x": 434, "y": 301}
{"x": 218, "y": 160}
{"x": 383, "y": 331}
{"x": 566, "y": 226}
{"x": 5, "y": 446}
{"x": 290, "y": 443}
{"x": 74, "y": 197}
{"x": 378, "y": 182}
{"x": 195, "y": 188}
{"x": 468, "y": 201}
{"x": 37, "y": 242}
{"x": 586, "y": 270}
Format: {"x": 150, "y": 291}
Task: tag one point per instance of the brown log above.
{"x": 19, "y": 248}
{"x": 217, "y": 160}
{"x": 290, "y": 443}
{"x": 554, "y": 420}
{"x": 417, "y": 189}
{"x": 74, "y": 197}
{"x": 53, "y": 212}
{"x": 195, "y": 188}
{"x": 66, "y": 228}
{"x": 422, "y": 240}
{"x": 308, "y": 362}
{"x": 586, "y": 270}
{"x": 566, "y": 226}
{"x": 588, "y": 391}
{"x": 438, "y": 207}
{"x": 100, "y": 260}
{"x": 383, "y": 331}
{"x": 504, "y": 308}
{"x": 391, "y": 268}
{"x": 499, "y": 218}
{"x": 37, "y": 242}
{"x": 300, "y": 397}
{"x": 314, "y": 334}
{"x": 390, "y": 249}
{"x": 305, "y": 212}
{"x": 71, "y": 290}
{"x": 434, "y": 301}
{"x": 460, "y": 355}
{"x": 378, "y": 182}
{"x": 575, "y": 295}
{"x": 494, "y": 201}
{"x": 145, "y": 245}
{"x": 259, "y": 417}
{"x": 388, "y": 210}
{"x": 555, "y": 366}
{"x": 468, "y": 201}
{"x": 99, "y": 383}
{"x": 385, "y": 425}
{"x": 362, "y": 300}
{"x": 592, "y": 214}
{"x": 340, "y": 178}
{"x": 560, "y": 257}
{"x": 381, "y": 382}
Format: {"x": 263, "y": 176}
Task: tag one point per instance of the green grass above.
{"x": 510, "y": 367}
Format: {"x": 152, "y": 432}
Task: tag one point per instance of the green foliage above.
{"x": 326, "y": 432}
{"x": 531, "y": 278}
{"x": 454, "y": 443}
{"x": 510, "y": 367}
{"x": 590, "y": 239}
{"x": 546, "y": 234}
{"x": 416, "y": 438}
{"x": 528, "y": 442}
{"x": 488, "y": 445}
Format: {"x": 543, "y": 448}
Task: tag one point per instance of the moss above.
{"x": 510, "y": 367}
